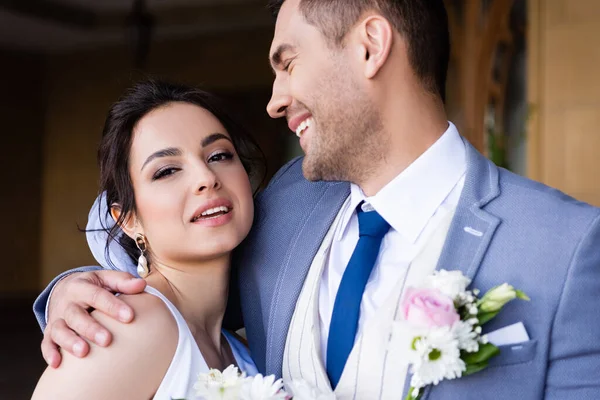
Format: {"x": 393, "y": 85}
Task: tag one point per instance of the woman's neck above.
{"x": 199, "y": 291}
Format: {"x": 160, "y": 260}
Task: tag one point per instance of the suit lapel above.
{"x": 472, "y": 227}
{"x": 293, "y": 272}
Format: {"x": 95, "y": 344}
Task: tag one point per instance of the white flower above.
{"x": 218, "y": 392}
{"x": 232, "y": 374}
{"x": 468, "y": 339}
{"x": 439, "y": 358}
{"x": 403, "y": 338}
{"x": 466, "y": 299}
{"x": 217, "y": 385}
{"x": 450, "y": 283}
{"x": 301, "y": 390}
{"x": 262, "y": 388}
{"x": 498, "y": 296}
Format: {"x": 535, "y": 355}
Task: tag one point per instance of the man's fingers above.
{"x": 68, "y": 340}
{"x": 86, "y": 326}
{"x": 101, "y": 299}
{"x": 121, "y": 282}
{"x": 50, "y": 350}
{"x": 71, "y": 300}
{"x": 131, "y": 286}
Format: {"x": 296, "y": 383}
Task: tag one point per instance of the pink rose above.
{"x": 428, "y": 308}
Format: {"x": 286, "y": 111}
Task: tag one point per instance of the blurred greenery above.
{"x": 497, "y": 141}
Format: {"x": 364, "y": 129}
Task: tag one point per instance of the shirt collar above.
{"x": 411, "y": 198}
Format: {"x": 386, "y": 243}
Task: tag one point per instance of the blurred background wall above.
{"x": 522, "y": 87}
{"x": 564, "y": 86}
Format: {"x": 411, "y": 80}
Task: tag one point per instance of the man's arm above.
{"x": 41, "y": 304}
{"x": 574, "y": 367}
{"x": 65, "y": 303}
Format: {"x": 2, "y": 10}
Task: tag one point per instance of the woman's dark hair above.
{"x": 117, "y": 137}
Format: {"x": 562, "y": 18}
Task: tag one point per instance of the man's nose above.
{"x": 280, "y": 100}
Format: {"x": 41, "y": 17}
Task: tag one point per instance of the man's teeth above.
{"x": 302, "y": 127}
{"x": 212, "y": 211}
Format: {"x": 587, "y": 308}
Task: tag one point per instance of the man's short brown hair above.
{"x": 422, "y": 23}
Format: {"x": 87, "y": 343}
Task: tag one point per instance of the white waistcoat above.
{"x": 373, "y": 370}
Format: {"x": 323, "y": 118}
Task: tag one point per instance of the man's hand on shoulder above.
{"x": 68, "y": 311}
{"x": 131, "y": 368}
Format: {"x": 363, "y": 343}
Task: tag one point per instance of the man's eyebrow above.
{"x": 275, "y": 59}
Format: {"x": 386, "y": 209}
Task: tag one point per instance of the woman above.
{"x": 174, "y": 167}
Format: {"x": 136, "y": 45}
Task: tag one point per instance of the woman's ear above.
{"x": 376, "y": 36}
{"x": 129, "y": 224}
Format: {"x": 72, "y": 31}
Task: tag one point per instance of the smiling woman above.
{"x": 160, "y": 111}
{"x": 174, "y": 168}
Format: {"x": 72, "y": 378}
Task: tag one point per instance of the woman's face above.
{"x": 193, "y": 197}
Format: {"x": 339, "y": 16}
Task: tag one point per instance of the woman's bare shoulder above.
{"x": 149, "y": 311}
{"x": 132, "y": 366}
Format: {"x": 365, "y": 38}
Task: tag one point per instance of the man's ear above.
{"x": 376, "y": 36}
{"x": 129, "y": 224}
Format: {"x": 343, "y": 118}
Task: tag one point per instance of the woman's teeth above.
{"x": 302, "y": 127}
{"x": 211, "y": 212}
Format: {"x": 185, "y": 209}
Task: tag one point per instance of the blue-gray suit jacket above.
{"x": 532, "y": 236}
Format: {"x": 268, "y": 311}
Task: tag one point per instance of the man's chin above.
{"x": 314, "y": 172}
{"x": 309, "y": 170}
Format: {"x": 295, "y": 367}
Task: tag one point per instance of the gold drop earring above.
{"x": 142, "y": 267}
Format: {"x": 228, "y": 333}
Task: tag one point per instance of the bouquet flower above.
{"x": 231, "y": 384}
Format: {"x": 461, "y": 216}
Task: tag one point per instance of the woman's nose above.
{"x": 208, "y": 181}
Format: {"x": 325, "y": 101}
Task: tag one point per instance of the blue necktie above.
{"x": 346, "y": 309}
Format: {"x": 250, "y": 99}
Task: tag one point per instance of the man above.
{"x": 362, "y": 84}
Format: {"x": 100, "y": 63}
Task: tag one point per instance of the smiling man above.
{"x": 362, "y": 83}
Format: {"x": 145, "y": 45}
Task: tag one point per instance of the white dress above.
{"x": 188, "y": 362}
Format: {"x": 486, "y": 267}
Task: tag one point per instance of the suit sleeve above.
{"x": 574, "y": 362}
{"x": 40, "y": 306}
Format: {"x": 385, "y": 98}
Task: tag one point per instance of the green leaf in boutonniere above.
{"x": 485, "y": 352}
{"x": 521, "y": 295}
{"x": 484, "y": 317}
{"x": 409, "y": 395}
{"x": 474, "y": 368}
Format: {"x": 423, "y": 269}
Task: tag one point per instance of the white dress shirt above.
{"x": 413, "y": 204}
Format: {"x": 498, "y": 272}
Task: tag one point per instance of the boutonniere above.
{"x": 440, "y": 333}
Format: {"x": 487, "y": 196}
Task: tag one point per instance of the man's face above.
{"x": 320, "y": 89}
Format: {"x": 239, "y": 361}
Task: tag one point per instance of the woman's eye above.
{"x": 223, "y": 156}
{"x": 162, "y": 173}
